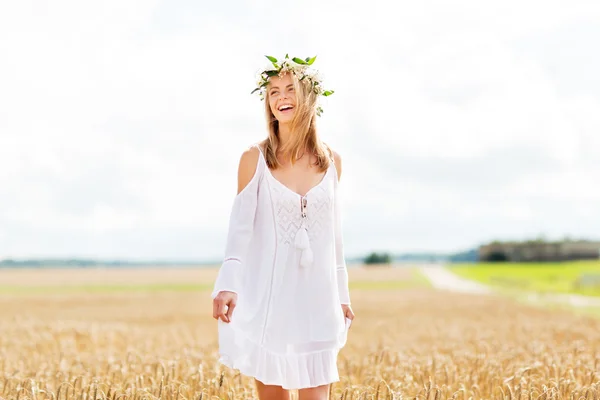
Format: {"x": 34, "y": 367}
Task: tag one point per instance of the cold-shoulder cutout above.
{"x": 248, "y": 169}
{"x": 329, "y": 151}
{"x": 337, "y": 164}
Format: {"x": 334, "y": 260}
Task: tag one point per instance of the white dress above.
{"x": 288, "y": 269}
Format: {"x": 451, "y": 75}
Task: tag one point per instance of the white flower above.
{"x": 316, "y": 76}
{"x": 287, "y": 66}
{"x": 318, "y": 89}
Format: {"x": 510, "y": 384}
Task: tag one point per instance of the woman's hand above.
{"x": 224, "y": 299}
{"x": 348, "y": 313}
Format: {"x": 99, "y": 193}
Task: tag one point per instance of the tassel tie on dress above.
{"x": 301, "y": 241}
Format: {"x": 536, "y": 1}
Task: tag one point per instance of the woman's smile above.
{"x": 286, "y": 108}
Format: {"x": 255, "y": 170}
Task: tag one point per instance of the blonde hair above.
{"x": 303, "y": 126}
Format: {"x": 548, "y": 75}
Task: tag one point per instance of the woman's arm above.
{"x": 341, "y": 270}
{"x": 241, "y": 224}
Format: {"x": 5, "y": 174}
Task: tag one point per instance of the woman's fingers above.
{"x": 219, "y": 310}
{"x": 230, "y": 308}
{"x": 223, "y": 311}
{"x": 223, "y": 305}
{"x": 223, "y": 315}
{"x": 216, "y": 309}
{"x": 348, "y": 311}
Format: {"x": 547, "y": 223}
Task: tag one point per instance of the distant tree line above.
{"x": 377, "y": 258}
{"x": 539, "y": 250}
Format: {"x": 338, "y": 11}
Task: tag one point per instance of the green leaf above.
{"x": 327, "y": 92}
{"x": 299, "y": 61}
{"x": 272, "y": 73}
{"x": 312, "y": 60}
{"x": 254, "y": 90}
{"x": 286, "y": 56}
{"x": 272, "y": 59}
{"x": 306, "y": 59}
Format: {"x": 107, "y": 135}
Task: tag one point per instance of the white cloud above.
{"x": 122, "y": 122}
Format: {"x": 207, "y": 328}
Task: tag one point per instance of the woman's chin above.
{"x": 285, "y": 119}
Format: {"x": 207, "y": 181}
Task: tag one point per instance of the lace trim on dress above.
{"x": 289, "y": 221}
{"x": 296, "y": 215}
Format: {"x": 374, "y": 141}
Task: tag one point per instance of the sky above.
{"x": 122, "y": 121}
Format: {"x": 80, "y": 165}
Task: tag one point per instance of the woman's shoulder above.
{"x": 248, "y": 166}
{"x": 249, "y": 158}
{"x": 337, "y": 160}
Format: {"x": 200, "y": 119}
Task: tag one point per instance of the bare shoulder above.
{"x": 338, "y": 163}
{"x": 247, "y": 167}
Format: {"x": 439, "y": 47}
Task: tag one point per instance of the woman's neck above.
{"x": 285, "y": 134}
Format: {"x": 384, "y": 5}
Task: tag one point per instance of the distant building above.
{"x": 536, "y": 250}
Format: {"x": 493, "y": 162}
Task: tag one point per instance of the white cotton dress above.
{"x": 284, "y": 258}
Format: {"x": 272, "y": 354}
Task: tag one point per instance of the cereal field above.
{"x": 149, "y": 334}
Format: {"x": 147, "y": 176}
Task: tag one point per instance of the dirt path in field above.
{"x": 442, "y": 278}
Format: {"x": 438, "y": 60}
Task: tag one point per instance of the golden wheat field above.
{"x": 149, "y": 334}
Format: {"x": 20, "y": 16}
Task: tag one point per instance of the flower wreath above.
{"x": 297, "y": 66}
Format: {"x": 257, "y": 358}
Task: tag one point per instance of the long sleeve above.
{"x": 341, "y": 270}
{"x": 241, "y": 227}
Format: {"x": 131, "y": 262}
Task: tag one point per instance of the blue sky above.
{"x": 122, "y": 122}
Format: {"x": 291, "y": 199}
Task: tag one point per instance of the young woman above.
{"x": 281, "y": 297}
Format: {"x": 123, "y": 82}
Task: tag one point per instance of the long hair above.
{"x": 303, "y": 127}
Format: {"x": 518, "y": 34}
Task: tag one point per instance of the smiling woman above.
{"x": 281, "y": 297}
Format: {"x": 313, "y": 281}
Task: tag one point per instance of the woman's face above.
{"x": 282, "y": 98}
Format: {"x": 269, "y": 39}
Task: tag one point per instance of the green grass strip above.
{"x": 556, "y": 277}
